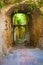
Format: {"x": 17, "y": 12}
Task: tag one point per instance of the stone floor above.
{"x": 23, "y": 57}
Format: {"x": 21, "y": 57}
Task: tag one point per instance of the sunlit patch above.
{"x": 19, "y": 19}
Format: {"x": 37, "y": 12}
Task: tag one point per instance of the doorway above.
{"x": 20, "y": 29}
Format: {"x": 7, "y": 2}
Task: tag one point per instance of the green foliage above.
{"x": 32, "y": 5}
{"x": 1, "y": 4}
{"x": 19, "y": 19}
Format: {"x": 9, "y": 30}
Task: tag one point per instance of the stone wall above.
{"x": 5, "y": 33}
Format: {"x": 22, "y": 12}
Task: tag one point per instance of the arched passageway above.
{"x": 33, "y": 26}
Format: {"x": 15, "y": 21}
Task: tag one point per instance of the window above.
{"x": 19, "y": 26}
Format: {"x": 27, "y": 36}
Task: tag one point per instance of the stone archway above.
{"x": 13, "y": 9}
{"x": 34, "y": 25}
